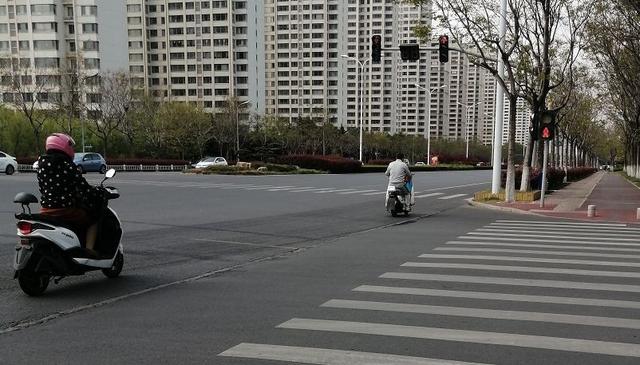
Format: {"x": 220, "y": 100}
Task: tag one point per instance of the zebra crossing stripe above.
{"x": 513, "y": 282}
{"x": 534, "y": 245}
{"x": 544, "y": 236}
{"x": 540, "y": 270}
{"x": 515, "y": 239}
{"x": 576, "y": 234}
{"x": 531, "y": 259}
{"x": 481, "y": 337}
{"x": 556, "y": 223}
{"x": 485, "y": 313}
{"x": 333, "y": 191}
{"x": 499, "y": 296}
{"x": 311, "y": 355}
{"x": 428, "y": 195}
{"x": 376, "y": 193}
{"x": 540, "y": 252}
{"x": 551, "y": 227}
{"x": 452, "y": 196}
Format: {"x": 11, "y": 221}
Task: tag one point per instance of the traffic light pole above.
{"x": 543, "y": 184}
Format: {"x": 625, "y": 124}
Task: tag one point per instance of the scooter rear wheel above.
{"x": 32, "y": 283}
{"x": 116, "y": 267}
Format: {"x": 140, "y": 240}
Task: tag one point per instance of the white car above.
{"x": 420, "y": 163}
{"x": 211, "y": 161}
{"x": 8, "y": 163}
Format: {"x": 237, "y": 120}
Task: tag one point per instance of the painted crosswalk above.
{"x": 269, "y": 188}
{"x": 569, "y": 280}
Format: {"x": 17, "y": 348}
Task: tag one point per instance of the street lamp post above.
{"x": 429, "y": 117}
{"x": 361, "y": 89}
{"x": 466, "y": 124}
{"x": 238, "y": 105}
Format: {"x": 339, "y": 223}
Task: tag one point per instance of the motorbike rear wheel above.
{"x": 116, "y": 268}
{"x": 33, "y": 283}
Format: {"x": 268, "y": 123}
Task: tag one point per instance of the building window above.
{"x": 43, "y": 9}
{"x": 89, "y": 28}
{"x": 89, "y": 10}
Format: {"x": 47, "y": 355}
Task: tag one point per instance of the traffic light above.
{"x": 443, "y": 48}
{"x": 376, "y": 48}
{"x": 534, "y": 128}
{"x": 410, "y": 52}
{"x": 547, "y": 125}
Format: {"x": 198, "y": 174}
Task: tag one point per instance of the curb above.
{"x": 471, "y": 202}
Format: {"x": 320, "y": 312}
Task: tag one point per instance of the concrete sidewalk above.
{"x": 616, "y": 200}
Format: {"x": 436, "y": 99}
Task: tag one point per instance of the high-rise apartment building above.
{"x": 43, "y": 42}
{"x": 317, "y": 54}
{"x": 203, "y": 52}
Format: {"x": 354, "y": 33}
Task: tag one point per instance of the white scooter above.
{"x": 51, "y": 249}
{"x": 399, "y": 200}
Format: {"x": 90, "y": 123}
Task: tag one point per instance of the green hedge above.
{"x": 381, "y": 168}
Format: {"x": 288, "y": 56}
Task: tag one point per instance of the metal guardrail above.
{"x": 142, "y": 168}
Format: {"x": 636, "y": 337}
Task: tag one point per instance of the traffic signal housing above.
{"x": 376, "y": 48}
{"x": 443, "y": 48}
{"x": 547, "y": 126}
{"x": 410, "y": 52}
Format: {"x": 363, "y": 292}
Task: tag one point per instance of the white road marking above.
{"x": 428, "y": 195}
{"x": 502, "y": 244}
{"x": 547, "y": 240}
{"x": 541, "y": 252}
{"x": 574, "y": 234}
{"x": 513, "y": 282}
{"x": 543, "y": 236}
{"x": 529, "y": 269}
{"x": 531, "y": 259}
{"x": 311, "y": 355}
{"x": 452, "y": 196}
{"x": 356, "y": 192}
{"x": 556, "y": 223}
{"x": 313, "y": 189}
{"x": 551, "y": 227}
{"x": 485, "y": 313}
{"x": 499, "y": 296}
{"x": 332, "y": 191}
{"x": 289, "y": 188}
{"x": 488, "y": 338}
{"x": 457, "y": 186}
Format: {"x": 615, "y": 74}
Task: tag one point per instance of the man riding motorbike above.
{"x": 399, "y": 174}
{"x": 66, "y": 195}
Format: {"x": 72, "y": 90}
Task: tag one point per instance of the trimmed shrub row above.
{"x": 555, "y": 177}
{"x": 332, "y": 164}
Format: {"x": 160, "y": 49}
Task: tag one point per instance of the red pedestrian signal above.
{"x": 546, "y": 133}
{"x": 443, "y": 48}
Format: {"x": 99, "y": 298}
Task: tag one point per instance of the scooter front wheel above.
{"x": 116, "y": 268}
{"x": 33, "y": 283}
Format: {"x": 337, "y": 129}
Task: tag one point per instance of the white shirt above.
{"x": 397, "y": 171}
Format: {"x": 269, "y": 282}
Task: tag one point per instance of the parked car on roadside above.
{"x": 8, "y": 163}
{"x": 210, "y": 161}
{"x": 420, "y": 163}
{"x": 90, "y": 161}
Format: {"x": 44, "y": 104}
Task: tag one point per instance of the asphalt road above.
{"x": 228, "y": 270}
{"x": 177, "y": 225}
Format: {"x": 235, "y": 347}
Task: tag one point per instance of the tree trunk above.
{"x": 510, "y": 188}
{"x": 524, "y": 180}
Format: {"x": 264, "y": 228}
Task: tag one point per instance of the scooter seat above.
{"x": 43, "y": 218}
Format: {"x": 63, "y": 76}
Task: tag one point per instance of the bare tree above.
{"x": 108, "y": 108}
{"x": 30, "y": 96}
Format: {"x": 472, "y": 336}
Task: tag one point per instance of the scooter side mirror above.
{"x": 110, "y": 173}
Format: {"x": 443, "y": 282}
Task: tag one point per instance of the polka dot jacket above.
{"x": 62, "y": 185}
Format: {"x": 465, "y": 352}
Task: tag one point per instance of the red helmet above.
{"x": 60, "y": 142}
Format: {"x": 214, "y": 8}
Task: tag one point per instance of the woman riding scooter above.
{"x": 66, "y": 195}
